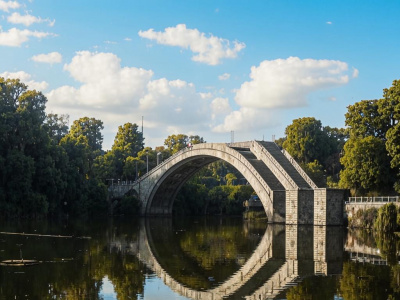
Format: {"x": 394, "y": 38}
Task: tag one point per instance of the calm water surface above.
{"x": 194, "y": 258}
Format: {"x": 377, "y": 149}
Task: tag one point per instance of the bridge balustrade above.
{"x": 382, "y": 199}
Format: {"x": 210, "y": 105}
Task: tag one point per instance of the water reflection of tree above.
{"x": 365, "y": 282}
{"x": 79, "y": 278}
{"x": 313, "y": 288}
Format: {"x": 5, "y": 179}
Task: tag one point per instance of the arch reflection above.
{"x": 283, "y": 255}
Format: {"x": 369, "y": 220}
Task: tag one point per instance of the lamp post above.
{"x": 159, "y": 158}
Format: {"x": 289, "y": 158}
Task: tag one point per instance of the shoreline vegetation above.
{"x": 51, "y": 170}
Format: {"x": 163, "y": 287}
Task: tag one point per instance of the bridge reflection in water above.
{"x": 284, "y": 256}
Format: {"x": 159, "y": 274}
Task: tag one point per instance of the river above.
{"x": 194, "y": 258}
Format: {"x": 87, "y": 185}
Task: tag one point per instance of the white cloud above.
{"x": 224, "y": 76}
{"x": 248, "y": 119}
{"x": 119, "y": 94}
{"x": 16, "y": 37}
{"x": 105, "y": 82}
{"x": 209, "y": 50}
{"x": 50, "y": 58}
{"x": 127, "y": 39}
{"x": 27, "y": 20}
{"x": 27, "y": 79}
{"x": 220, "y": 107}
{"x": 6, "y": 5}
{"x": 281, "y": 84}
{"x": 329, "y": 23}
{"x": 286, "y": 83}
{"x": 355, "y": 73}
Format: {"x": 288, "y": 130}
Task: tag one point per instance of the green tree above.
{"x": 307, "y": 141}
{"x": 230, "y": 178}
{"x": 128, "y": 140}
{"x": 366, "y": 165}
{"x": 316, "y": 172}
{"x": 91, "y": 129}
{"x": 177, "y": 142}
{"x": 386, "y": 221}
{"x": 363, "y": 119}
{"x": 56, "y": 126}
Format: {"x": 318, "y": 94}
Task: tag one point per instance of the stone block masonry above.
{"x": 300, "y": 206}
{"x": 328, "y": 206}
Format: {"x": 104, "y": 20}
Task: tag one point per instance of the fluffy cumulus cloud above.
{"x": 15, "y": 37}
{"x": 281, "y": 84}
{"x": 247, "y": 120}
{"x": 49, "y": 58}
{"x": 104, "y": 82}
{"x": 117, "y": 95}
{"x": 210, "y": 50}
{"x": 220, "y": 107}
{"x": 7, "y": 5}
{"x": 27, "y": 19}
{"x": 27, "y": 79}
{"x": 286, "y": 83}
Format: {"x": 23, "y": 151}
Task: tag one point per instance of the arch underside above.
{"x": 163, "y": 196}
{"x": 168, "y": 185}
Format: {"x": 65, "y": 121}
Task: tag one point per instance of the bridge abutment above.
{"x": 299, "y": 207}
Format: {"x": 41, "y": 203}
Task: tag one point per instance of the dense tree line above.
{"x": 371, "y": 157}
{"x": 50, "y": 169}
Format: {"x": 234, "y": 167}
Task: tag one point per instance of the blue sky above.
{"x": 202, "y": 67}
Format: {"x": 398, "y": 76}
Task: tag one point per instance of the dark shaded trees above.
{"x": 374, "y": 144}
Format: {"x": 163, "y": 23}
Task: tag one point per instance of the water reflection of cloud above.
{"x": 107, "y": 290}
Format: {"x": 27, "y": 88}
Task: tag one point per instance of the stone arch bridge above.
{"x": 286, "y": 192}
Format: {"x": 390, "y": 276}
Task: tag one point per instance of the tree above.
{"x": 307, "y": 141}
{"x": 366, "y": 165}
{"x": 128, "y": 140}
{"x": 378, "y": 119}
{"x": 91, "y": 129}
{"x": 363, "y": 119}
{"x": 56, "y": 126}
{"x": 26, "y": 155}
{"x": 177, "y": 142}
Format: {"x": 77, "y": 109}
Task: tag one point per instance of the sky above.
{"x": 223, "y": 70}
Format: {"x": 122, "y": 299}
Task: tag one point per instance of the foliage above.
{"x": 378, "y": 121}
{"x": 386, "y": 220}
{"x": 315, "y": 147}
{"x": 128, "y": 206}
{"x": 364, "y": 281}
{"x": 366, "y": 165}
{"x": 255, "y": 215}
{"x": 45, "y": 170}
{"x": 177, "y": 142}
{"x": 313, "y": 288}
{"x": 315, "y": 171}
{"x": 364, "y": 218}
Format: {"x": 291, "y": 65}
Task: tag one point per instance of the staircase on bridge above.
{"x": 287, "y": 193}
{"x": 276, "y": 152}
{"x": 263, "y": 170}
{"x": 279, "y": 165}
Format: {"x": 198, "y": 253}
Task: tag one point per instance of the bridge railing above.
{"x": 381, "y": 199}
{"x": 238, "y": 156}
{"x": 275, "y": 163}
{"x": 299, "y": 169}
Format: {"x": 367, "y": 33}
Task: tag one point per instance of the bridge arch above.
{"x": 287, "y": 194}
{"x": 159, "y": 187}
{"x": 268, "y": 254}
